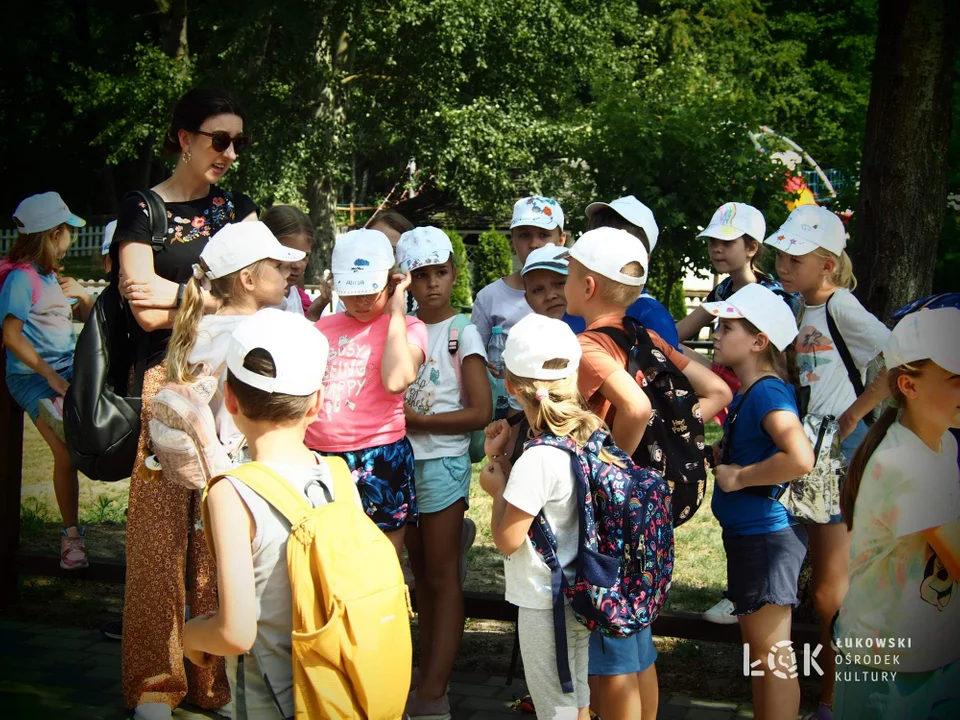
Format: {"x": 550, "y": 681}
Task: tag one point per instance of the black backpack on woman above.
{"x": 101, "y": 411}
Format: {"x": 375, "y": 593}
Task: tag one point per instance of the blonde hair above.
{"x": 611, "y": 291}
{"x": 38, "y": 248}
{"x": 227, "y": 290}
{"x": 562, "y": 412}
{"x": 842, "y": 275}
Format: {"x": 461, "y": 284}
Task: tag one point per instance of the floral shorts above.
{"x": 385, "y": 480}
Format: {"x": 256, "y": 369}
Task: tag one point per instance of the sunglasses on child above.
{"x": 221, "y": 140}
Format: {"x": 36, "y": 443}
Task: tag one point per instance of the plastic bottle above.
{"x": 498, "y": 342}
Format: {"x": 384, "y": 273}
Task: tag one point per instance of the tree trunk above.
{"x": 322, "y": 204}
{"x": 903, "y": 177}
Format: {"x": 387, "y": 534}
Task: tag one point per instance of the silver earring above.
{"x": 186, "y": 157}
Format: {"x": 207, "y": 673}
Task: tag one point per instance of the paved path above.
{"x": 50, "y": 672}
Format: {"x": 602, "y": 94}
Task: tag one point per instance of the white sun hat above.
{"x": 238, "y": 245}
{"x": 44, "y": 212}
{"x": 932, "y": 334}
{"x": 807, "y": 228}
{"x": 361, "y": 262}
{"x": 606, "y": 251}
{"x": 533, "y": 341}
{"x": 761, "y": 307}
{"x": 634, "y": 212}
{"x": 733, "y": 220}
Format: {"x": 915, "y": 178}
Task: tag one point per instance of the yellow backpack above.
{"x": 352, "y": 651}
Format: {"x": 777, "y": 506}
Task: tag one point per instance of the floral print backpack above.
{"x": 625, "y": 559}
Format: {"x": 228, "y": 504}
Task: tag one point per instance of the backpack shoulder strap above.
{"x": 156, "y": 215}
{"x": 852, "y": 372}
{"x": 732, "y": 419}
{"x": 342, "y": 479}
{"x": 273, "y": 488}
{"x": 460, "y": 322}
{"x": 36, "y": 284}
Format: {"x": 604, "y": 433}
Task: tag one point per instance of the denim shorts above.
{"x": 621, "y": 656}
{"x": 385, "y": 480}
{"x": 764, "y": 569}
{"x": 441, "y": 482}
{"x": 28, "y": 389}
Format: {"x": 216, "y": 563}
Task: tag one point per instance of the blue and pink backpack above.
{"x": 7, "y": 266}
{"x": 625, "y": 560}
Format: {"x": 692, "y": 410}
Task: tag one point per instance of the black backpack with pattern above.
{"x": 673, "y": 443}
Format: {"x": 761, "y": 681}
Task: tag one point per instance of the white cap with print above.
{"x": 807, "y": 228}
{"x": 733, "y": 220}
{"x": 361, "y": 262}
{"x": 539, "y": 211}
{"x": 547, "y": 257}
{"x": 931, "y": 334}
{"x": 423, "y": 246}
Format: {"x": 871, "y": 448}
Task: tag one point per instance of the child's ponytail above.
{"x": 557, "y": 407}
{"x": 858, "y": 465}
{"x": 185, "y": 327}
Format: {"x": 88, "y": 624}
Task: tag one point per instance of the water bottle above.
{"x": 498, "y": 342}
{"x": 495, "y": 348}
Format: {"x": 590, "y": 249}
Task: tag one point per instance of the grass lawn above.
{"x": 705, "y": 670}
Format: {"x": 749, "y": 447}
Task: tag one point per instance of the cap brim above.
{"x": 75, "y": 221}
{"x": 285, "y": 254}
{"x": 722, "y": 309}
{"x": 559, "y": 268}
{"x": 411, "y": 264}
{"x": 791, "y": 244}
{"x": 547, "y": 223}
{"x": 722, "y": 232}
{"x": 361, "y": 283}
{"x": 594, "y": 206}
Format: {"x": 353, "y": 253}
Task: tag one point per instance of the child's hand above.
{"x": 717, "y": 449}
{"x": 71, "y": 288}
{"x": 498, "y": 435}
{"x": 58, "y": 384}
{"x": 728, "y": 477}
{"x": 492, "y": 479}
{"x": 197, "y": 657}
{"x": 396, "y": 304}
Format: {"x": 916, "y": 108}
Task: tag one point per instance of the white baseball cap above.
{"x": 807, "y": 228}
{"x": 733, "y": 220}
{"x": 926, "y": 335}
{"x": 547, "y": 258}
{"x": 238, "y": 245}
{"x": 533, "y": 341}
{"x": 361, "y": 262}
{"x": 634, "y": 212}
{"x": 423, "y": 246}
{"x": 539, "y": 211}
{"x": 108, "y": 230}
{"x": 763, "y": 308}
{"x": 606, "y": 250}
{"x": 44, "y": 212}
{"x": 299, "y": 352}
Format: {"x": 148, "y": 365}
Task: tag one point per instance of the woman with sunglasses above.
{"x": 206, "y": 135}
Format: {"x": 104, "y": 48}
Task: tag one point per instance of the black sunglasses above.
{"x": 221, "y": 140}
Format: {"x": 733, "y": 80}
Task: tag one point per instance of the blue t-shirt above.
{"x": 654, "y": 316}
{"x": 743, "y": 513}
{"x": 575, "y": 323}
{"x": 47, "y": 325}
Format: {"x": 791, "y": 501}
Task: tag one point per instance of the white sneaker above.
{"x": 152, "y": 711}
{"x": 721, "y": 613}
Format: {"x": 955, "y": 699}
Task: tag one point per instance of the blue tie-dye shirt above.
{"x": 47, "y": 325}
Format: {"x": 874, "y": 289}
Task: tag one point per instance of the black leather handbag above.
{"x": 101, "y": 410}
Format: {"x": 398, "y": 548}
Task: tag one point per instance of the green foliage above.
{"x": 494, "y": 259}
{"x": 461, "y": 296}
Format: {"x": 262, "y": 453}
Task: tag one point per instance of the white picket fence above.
{"x": 87, "y": 240}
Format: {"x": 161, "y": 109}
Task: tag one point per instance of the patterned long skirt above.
{"x": 168, "y": 569}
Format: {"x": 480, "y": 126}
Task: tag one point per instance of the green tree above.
{"x": 461, "y": 296}
{"x": 494, "y": 259}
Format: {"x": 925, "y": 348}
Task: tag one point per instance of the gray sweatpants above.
{"x": 538, "y": 647}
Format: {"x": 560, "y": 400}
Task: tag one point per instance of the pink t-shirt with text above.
{"x": 357, "y": 412}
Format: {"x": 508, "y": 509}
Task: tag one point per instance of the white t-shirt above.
{"x": 293, "y": 303}
{"x": 542, "y": 479}
{"x": 821, "y": 366}
{"x": 272, "y": 648}
{"x": 898, "y": 587}
{"x": 213, "y": 337}
{"x": 437, "y": 390}
{"x": 498, "y": 304}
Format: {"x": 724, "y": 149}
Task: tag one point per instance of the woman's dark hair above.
{"x": 608, "y": 217}
{"x": 393, "y": 220}
{"x": 193, "y": 108}
{"x": 285, "y": 220}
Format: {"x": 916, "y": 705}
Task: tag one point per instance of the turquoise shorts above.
{"x": 865, "y": 693}
{"x": 440, "y": 482}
